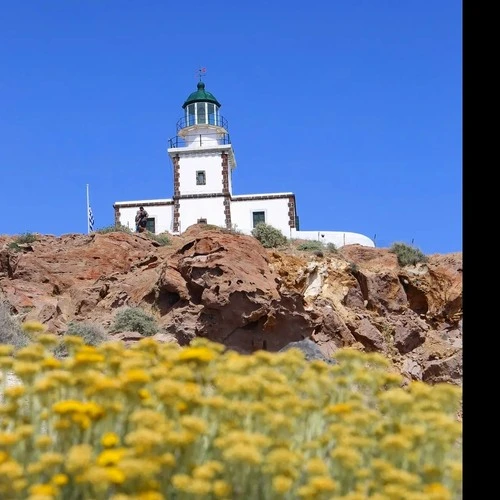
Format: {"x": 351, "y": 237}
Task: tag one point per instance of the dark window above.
{"x": 201, "y": 178}
{"x": 202, "y": 221}
{"x": 150, "y": 225}
{"x": 258, "y": 217}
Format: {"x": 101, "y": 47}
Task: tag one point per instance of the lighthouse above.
{"x": 203, "y": 160}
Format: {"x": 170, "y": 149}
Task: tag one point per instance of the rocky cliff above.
{"x": 227, "y": 287}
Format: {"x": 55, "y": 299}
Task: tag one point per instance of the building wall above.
{"x": 208, "y": 161}
{"x": 338, "y": 238}
{"x": 161, "y": 211}
{"x": 276, "y": 211}
{"x": 192, "y": 209}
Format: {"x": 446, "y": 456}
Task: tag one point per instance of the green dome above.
{"x": 201, "y": 95}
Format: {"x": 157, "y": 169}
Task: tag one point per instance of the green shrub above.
{"x": 11, "y": 331}
{"x": 20, "y": 240}
{"x": 91, "y": 334}
{"x": 134, "y": 319}
{"x": 311, "y": 246}
{"x": 269, "y": 236}
{"x": 113, "y": 229}
{"x": 162, "y": 239}
{"x": 26, "y": 238}
{"x": 407, "y": 255}
{"x": 332, "y": 248}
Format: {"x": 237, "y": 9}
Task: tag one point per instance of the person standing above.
{"x": 141, "y": 219}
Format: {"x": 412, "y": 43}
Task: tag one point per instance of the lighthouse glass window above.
{"x": 191, "y": 114}
{"x": 202, "y": 117}
{"x": 201, "y": 178}
{"x": 211, "y": 114}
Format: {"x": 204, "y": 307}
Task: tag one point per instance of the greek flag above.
{"x": 91, "y": 220}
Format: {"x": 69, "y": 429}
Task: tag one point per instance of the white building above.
{"x": 203, "y": 161}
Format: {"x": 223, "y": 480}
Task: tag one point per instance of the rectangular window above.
{"x": 200, "y": 108}
{"x": 200, "y": 178}
{"x": 191, "y": 114}
{"x": 258, "y": 217}
{"x": 150, "y": 225}
{"x": 211, "y": 113}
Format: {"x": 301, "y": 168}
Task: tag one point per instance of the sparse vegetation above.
{"x": 353, "y": 267}
{"x": 11, "y": 331}
{"x": 113, "y": 229}
{"x": 22, "y": 239}
{"x": 269, "y": 236}
{"x": 332, "y": 248}
{"x": 92, "y": 334}
{"x": 134, "y": 319}
{"x": 407, "y": 255}
{"x": 162, "y": 239}
{"x": 311, "y": 246}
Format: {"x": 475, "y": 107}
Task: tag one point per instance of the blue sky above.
{"x": 353, "y": 105}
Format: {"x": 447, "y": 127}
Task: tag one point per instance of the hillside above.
{"x": 230, "y": 289}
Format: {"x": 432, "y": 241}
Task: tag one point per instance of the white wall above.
{"x": 209, "y": 137}
{"x": 276, "y": 214}
{"x": 211, "y": 209}
{"x": 163, "y": 215}
{"x": 338, "y": 238}
{"x": 189, "y": 164}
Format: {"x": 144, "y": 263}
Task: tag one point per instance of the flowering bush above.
{"x": 157, "y": 421}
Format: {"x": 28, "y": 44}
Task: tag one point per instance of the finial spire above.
{"x": 201, "y": 72}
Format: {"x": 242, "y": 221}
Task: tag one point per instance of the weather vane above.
{"x": 201, "y": 72}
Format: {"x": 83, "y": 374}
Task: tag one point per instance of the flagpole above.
{"x": 88, "y": 205}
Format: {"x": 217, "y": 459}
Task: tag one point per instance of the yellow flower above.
{"x": 316, "y": 466}
{"x": 15, "y": 391}
{"x": 51, "y": 363}
{"x": 136, "y": 376}
{"x": 202, "y": 354}
{"x": 241, "y": 452}
{"x": 79, "y": 458}
{"x": 43, "y": 490}
{"x": 110, "y": 457}
{"x": 395, "y": 442}
{"x": 6, "y": 350}
{"x": 26, "y": 369}
{"x": 167, "y": 459}
{"x": 282, "y": 484}
{"x": 437, "y": 491}
{"x": 348, "y": 457}
{"x": 221, "y": 489}
{"x": 10, "y": 470}
{"x": 50, "y": 459}
{"x": 194, "y": 424}
{"x": 47, "y": 339}
{"x": 59, "y": 479}
{"x": 322, "y": 483}
{"x": 43, "y": 442}
{"x": 338, "y": 409}
{"x": 115, "y": 475}
{"x": 33, "y": 327}
{"x": 8, "y": 438}
{"x": 109, "y": 440}
{"x": 150, "y": 495}
{"x": 144, "y": 439}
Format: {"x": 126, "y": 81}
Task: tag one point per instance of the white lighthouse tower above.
{"x": 203, "y": 159}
